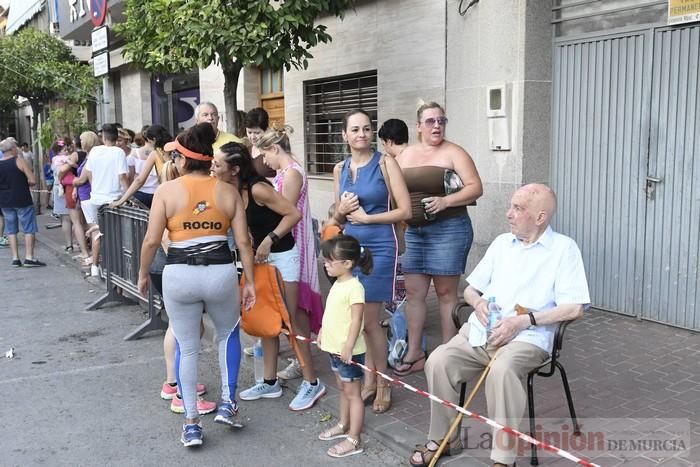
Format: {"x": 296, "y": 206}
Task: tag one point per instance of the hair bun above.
{"x": 283, "y": 130}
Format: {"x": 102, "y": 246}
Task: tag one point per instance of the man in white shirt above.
{"x": 536, "y": 268}
{"x": 106, "y": 171}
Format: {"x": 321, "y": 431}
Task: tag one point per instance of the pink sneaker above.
{"x": 203, "y": 407}
{"x": 167, "y": 392}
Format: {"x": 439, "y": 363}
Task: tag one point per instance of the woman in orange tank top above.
{"x": 197, "y": 211}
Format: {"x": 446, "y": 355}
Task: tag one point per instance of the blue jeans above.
{"x": 16, "y": 216}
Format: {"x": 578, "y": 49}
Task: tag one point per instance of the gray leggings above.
{"x": 187, "y": 290}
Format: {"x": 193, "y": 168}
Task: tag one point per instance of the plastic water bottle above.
{"x": 258, "y": 364}
{"x": 494, "y": 314}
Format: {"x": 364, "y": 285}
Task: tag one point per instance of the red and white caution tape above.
{"x": 474, "y": 415}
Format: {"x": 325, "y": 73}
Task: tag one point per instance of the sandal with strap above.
{"x": 382, "y": 402}
{"x": 427, "y": 454}
{"x": 367, "y": 393}
{"x": 335, "y": 432}
{"x": 337, "y": 451}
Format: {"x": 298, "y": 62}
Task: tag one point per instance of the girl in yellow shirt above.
{"x": 341, "y": 336}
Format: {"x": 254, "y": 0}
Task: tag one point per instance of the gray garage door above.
{"x": 626, "y": 167}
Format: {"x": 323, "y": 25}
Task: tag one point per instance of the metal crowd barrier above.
{"x": 124, "y": 229}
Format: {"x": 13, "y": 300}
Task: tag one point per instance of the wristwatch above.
{"x": 273, "y": 236}
{"x": 533, "y": 323}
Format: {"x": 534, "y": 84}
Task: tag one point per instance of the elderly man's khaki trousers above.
{"x": 453, "y": 363}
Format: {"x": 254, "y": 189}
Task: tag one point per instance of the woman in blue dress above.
{"x": 363, "y": 200}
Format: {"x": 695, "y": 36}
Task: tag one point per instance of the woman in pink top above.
{"x": 291, "y": 182}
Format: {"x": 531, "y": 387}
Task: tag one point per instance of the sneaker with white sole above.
{"x": 227, "y": 414}
{"x": 203, "y": 407}
{"x": 262, "y": 390}
{"x": 167, "y": 392}
{"x": 307, "y": 396}
{"x": 292, "y": 371}
{"x": 192, "y": 435}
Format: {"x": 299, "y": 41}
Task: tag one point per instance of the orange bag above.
{"x": 269, "y": 316}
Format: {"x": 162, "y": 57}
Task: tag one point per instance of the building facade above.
{"x": 598, "y": 99}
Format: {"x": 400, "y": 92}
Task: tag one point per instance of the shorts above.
{"x": 347, "y": 373}
{"x": 16, "y": 216}
{"x": 145, "y": 198}
{"x": 89, "y": 211}
{"x": 288, "y": 264}
{"x": 439, "y": 248}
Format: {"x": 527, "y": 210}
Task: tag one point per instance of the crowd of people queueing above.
{"x": 214, "y": 196}
{"x": 259, "y": 191}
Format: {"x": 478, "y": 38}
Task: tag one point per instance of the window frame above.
{"x": 326, "y": 100}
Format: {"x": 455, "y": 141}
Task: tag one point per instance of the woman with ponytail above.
{"x": 291, "y": 182}
{"x": 198, "y": 210}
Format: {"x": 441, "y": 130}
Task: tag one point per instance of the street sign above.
{"x": 100, "y": 64}
{"x": 100, "y": 39}
{"x": 98, "y": 11}
{"x": 683, "y": 11}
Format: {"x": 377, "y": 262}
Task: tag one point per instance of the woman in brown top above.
{"x": 439, "y": 233}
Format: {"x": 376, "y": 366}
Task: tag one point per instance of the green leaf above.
{"x": 174, "y": 35}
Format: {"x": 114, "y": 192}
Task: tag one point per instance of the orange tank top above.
{"x": 201, "y": 217}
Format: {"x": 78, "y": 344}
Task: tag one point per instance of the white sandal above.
{"x": 328, "y": 434}
{"x": 338, "y": 453}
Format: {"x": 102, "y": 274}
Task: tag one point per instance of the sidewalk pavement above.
{"x": 631, "y": 381}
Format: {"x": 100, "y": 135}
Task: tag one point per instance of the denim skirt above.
{"x": 439, "y": 248}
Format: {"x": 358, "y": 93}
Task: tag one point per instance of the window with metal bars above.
{"x": 326, "y": 101}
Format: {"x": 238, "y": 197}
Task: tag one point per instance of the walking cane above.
{"x": 460, "y": 415}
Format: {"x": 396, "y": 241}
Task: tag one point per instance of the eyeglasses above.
{"x": 442, "y": 121}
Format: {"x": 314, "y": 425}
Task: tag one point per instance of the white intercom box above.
{"x": 497, "y": 112}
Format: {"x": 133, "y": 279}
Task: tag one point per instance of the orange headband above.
{"x": 191, "y": 154}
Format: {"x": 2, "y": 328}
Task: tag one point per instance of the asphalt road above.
{"x": 77, "y": 394}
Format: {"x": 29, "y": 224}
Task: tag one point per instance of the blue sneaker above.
{"x": 268, "y": 391}
{"x": 307, "y": 395}
{"x": 227, "y": 414}
{"x": 192, "y": 435}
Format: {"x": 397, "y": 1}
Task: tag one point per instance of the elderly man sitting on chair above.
{"x": 533, "y": 267}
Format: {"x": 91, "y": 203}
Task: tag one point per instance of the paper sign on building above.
{"x": 683, "y": 11}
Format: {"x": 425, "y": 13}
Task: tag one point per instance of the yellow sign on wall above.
{"x": 683, "y": 11}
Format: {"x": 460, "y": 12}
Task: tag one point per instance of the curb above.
{"x": 393, "y": 433}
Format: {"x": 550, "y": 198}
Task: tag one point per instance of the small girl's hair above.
{"x": 345, "y": 247}
{"x": 331, "y": 211}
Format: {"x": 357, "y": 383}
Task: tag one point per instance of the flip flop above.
{"x": 412, "y": 367}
